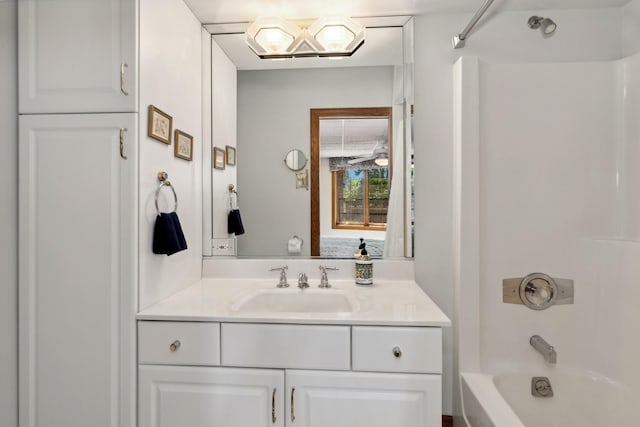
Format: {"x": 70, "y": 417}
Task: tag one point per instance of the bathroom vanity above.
{"x": 242, "y": 352}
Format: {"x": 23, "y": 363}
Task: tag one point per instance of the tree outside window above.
{"x": 361, "y": 198}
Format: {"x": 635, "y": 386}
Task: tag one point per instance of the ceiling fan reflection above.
{"x": 380, "y": 155}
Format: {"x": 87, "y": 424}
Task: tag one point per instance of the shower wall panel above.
{"x": 547, "y": 181}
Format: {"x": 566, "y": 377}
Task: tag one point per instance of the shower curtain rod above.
{"x": 459, "y": 40}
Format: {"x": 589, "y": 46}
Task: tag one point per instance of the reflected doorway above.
{"x": 351, "y": 173}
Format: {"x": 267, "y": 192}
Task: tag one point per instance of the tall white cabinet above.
{"x": 78, "y": 160}
{"x": 77, "y": 56}
{"x": 77, "y": 269}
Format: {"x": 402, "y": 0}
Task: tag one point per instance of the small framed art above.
{"x": 231, "y": 155}
{"x": 183, "y": 145}
{"x": 159, "y": 125}
{"x": 218, "y": 158}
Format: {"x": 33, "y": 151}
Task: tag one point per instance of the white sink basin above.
{"x": 294, "y": 300}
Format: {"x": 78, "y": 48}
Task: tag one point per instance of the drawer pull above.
{"x": 174, "y": 345}
{"x": 273, "y": 406}
{"x": 397, "y": 352}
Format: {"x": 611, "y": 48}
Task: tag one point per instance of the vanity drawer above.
{"x": 397, "y": 349}
{"x": 286, "y": 346}
{"x": 179, "y": 343}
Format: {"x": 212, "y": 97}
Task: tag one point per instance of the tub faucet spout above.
{"x": 544, "y": 348}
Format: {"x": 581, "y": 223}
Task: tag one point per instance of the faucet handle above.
{"x": 283, "y": 276}
{"x": 324, "y": 280}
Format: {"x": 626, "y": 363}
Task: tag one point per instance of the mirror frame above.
{"x": 317, "y": 114}
{"x": 291, "y": 168}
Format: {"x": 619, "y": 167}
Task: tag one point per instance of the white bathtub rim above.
{"x": 496, "y": 407}
{"x": 493, "y": 403}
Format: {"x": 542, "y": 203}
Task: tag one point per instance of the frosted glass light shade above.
{"x": 273, "y": 37}
{"x": 274, "y": 40}
{"x": 336, "y": 35}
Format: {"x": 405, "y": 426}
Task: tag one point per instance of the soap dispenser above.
{"x": 364, "y": 265}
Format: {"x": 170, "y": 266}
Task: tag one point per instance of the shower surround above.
{"x": 547, "y": 181}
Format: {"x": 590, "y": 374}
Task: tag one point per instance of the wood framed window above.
{"x": 360, "y": 198}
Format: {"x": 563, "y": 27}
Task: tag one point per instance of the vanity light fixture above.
{"x": 275, "y": 38}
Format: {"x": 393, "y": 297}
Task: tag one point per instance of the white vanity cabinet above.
{"x": 172, "y": 396}
{"x": 77, "y": 269}
{"x": 292, "y": 375}
{"x": 348, "y": 399}
{"x": 77, "y": 56}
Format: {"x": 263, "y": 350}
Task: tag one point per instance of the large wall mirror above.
{"x": 275, "y": 106}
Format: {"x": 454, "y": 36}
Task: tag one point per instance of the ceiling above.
{"x": 352, "y": 137}
{"x": 219, "y": 11}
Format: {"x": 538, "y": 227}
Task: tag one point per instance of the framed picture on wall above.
{"x": 159, "y": 125}
{"x": 231, "y": 155}
{"x": 218, "y": 158}
{"x": 183, "y": 145}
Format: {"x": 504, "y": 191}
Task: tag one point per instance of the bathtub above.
{"x": 581, "y": 399}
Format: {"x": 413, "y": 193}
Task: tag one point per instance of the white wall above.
{"x": 631, "y": 28}
{"x": 170, "y": 79}
{"x": 505, "y": 37}
{"x": 628, "y": 155}
{"x": 273, "y": 118}
{"x": 8, "y": 214}
{"x": 224, "y": 132}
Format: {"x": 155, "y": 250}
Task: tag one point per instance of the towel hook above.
{"x": 164, "y": 182}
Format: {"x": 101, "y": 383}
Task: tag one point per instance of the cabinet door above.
{"x": 349, "y": 399}
{"x": 77, "y": 270}
{"x": 73, "y": 54}
{"x": 171, "y": 396}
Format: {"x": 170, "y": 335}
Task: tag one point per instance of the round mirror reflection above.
{"x": 295, "y": 160}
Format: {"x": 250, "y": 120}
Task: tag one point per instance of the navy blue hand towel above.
{"x": 168, "y": 237}
{"x": 234, "y": 224}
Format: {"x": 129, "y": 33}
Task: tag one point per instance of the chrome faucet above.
{"x": 324, "y": 280}
{"x": 283, "y": 276}
{"x": 544, "y": 348}
{"x": 303, "y": 282}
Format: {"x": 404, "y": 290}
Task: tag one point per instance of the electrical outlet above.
{"x": 222, "y": 247}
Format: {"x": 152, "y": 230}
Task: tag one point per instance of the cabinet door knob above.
{"x": 397, "y": 352}
{"x": 174, "y": 345}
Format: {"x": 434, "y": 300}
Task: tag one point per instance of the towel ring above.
{"x": 233, "y": 192}
{"x": 162, "y": 177}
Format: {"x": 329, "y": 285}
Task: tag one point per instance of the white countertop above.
{"x": 387, "y": 302}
